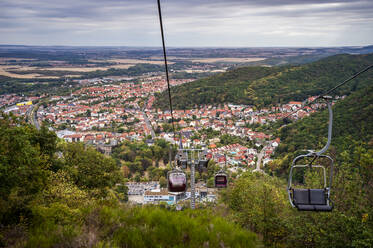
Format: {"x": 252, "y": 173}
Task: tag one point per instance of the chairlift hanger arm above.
{"x": 330, "y": 127}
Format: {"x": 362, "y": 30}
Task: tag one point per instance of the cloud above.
{"x": 188, "y": 23}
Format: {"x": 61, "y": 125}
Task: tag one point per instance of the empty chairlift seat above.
{"x": 311, "y": 199}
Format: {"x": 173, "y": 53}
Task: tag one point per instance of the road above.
{"x": 35, "y": 118}
{"x": 259, "y": 162}
{"x": 148, "y": 124}
{"x": 32, "y": 116}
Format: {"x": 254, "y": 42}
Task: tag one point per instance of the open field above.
{"x": 10, "y": 70}
{"x": 121, "y": 66}
{"x": 161, "y": 58}
{"x": 19, "y": 68}
{"x": 75, "y": 69}
{"x": 232, "y": 60}
{"x": 24, "y": 76}
{"x": 16, "y": 59}
{"x": 59, "y": 67}
{"x": 210, "y": 60}
{"x": 136, "y": 61}
{"x": 73, "y": 76}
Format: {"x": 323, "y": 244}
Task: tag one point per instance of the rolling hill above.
{"x": 352, "y": 127}
{"x": 263, "y": 86}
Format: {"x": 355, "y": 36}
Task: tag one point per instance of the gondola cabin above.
{"x": 177, "y": 182}
{"x": 221, "y": 180}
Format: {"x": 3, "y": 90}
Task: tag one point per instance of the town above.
{"x": 105, "y": 112}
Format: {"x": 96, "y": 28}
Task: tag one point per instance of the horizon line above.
{"x": 188, "y": 47}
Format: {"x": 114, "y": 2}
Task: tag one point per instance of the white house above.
{"x": 158, "y": 195}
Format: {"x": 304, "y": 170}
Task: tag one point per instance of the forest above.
{"x": 264, "y": 86}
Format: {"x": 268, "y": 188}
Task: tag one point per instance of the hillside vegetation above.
{"x": 263, "y": 86}
{"x": 56, "y": 194}
{"x": 224, "y": 87}
{"x": 260, "y": 202}
{"x": 352, "y": 127}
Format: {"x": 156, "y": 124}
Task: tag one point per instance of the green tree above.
{"x": 89, "y": 168}
{"x": 211, "y": 182}
{"x": 163, "y": 182}
{"x": 24, "y": 167}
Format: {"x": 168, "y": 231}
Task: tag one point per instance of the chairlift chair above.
{"x": 221, "y": 180}
{"x": 313, "y": 199}
{"x": 203, "y": 160}
{"x": 177, "y": 181}
{"x": 182, "y": 159}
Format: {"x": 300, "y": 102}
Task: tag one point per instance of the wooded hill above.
{"x": 263, "y": 86}
{"x": 352, "y": 126}
{"x": 260, "y": 203}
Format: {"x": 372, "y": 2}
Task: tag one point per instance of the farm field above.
{"x": 4, "y": 72}
{"x": 19, "y": 67}
{"x": 227, "y": 60}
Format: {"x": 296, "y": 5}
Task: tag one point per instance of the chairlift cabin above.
{"x": 221, "y": 180}
{"x": 313, "y": 199}
{"x": 177, "y": 181}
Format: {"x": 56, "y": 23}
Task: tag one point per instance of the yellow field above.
{"x": 17, "y": 68}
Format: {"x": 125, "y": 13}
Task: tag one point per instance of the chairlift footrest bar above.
{"x": 317, "y": 208}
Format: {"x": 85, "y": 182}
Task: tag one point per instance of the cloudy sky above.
{"x": 188, "y": 23}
